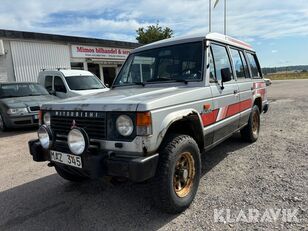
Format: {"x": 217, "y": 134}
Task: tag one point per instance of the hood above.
{"x": 132, "y": 98}
{"x": 28, "y": 101}
{"x": 87, "y": 92}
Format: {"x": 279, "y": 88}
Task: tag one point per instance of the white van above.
{"x": 69, "y": 83}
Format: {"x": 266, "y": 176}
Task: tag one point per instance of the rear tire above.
{"x": 250, "y": 132}
{"x": 178, "y": 174}
{"x": 66, "y": 174}
{"x": 2, "y": 124}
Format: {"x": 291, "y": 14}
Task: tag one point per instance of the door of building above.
{"x": 109, "y": 75}
{"x": 94, "y": 68}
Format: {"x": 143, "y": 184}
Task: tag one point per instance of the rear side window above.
{"x": 221, "y": 60}
{"x": 59, "y": 85}
{"x": 48, "y": 83}
{"x": 254, "y": 67}
{"x": 238, "y": 64}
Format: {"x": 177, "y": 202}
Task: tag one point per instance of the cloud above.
{"x": 118, "y": 19}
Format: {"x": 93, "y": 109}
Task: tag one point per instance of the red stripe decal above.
{"x": 245, "y": 104}
{"x": 209, "y": 118}
{"x": 233, "y": 109}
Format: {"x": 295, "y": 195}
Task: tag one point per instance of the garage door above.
{"x": 29, "y": 58}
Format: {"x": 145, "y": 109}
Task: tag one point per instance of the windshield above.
{"x": 84, "y": 82}
{"x": 181, "y": 62}
{"x": 21, "y": 90}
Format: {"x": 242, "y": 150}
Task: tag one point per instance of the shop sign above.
{"x": 79, "y": 51}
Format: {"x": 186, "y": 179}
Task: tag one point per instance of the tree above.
{"x": 153, "y": 33}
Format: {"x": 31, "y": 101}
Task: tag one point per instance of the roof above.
{"x": 68, "y": 72}
{"x": 12, "y": 34}
{"x": 195, "y": 38}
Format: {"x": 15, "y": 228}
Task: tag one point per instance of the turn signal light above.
{"x": 144, "y": 123}
{"x": 40, "y": 117}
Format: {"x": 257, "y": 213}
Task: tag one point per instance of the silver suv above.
{"x": 172, "y": 100}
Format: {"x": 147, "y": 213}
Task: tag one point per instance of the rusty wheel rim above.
{"x": 255, "y": 124}
{"x": 184, "y": 174}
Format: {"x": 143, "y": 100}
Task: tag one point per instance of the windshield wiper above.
{"x": 139, "y": 83}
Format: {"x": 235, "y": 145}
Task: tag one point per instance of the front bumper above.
{"x": 21, "y": 121}
{"x": 137, "y": 169}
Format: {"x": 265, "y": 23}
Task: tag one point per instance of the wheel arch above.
{"x": 186, "y": 122}
{"x": 258, "y": 102}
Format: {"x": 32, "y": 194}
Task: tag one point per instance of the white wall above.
{"x": 31, "y": 57}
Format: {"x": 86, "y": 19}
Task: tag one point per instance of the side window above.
{"x": 211, "y": 65}
{"x": 59, "y": 85}
{"x": 48, "y": 83}
{"x": 221, "y": 60}
{"x": 238, "y": 64}
{"x": 245, "y": 64}
{"x": 254, "y": 67}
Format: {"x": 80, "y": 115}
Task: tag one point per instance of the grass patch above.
{"x": 289, "y": 75}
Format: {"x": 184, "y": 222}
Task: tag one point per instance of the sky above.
{"x": 277, "y": 29}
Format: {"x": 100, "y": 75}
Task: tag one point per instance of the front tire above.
{"x": 250, "y": 132}
{"x": 178, "y": 174}
{"x": 67, "y": 174}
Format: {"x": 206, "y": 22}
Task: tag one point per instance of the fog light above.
{"x": 45, "y": 136}
{"x": 77, "y": 141}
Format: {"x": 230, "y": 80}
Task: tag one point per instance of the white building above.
{"x": 24, "y": 54}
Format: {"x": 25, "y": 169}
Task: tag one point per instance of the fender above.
{"x": 173, "y": 117}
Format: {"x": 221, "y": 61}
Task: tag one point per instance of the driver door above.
{"x": 225, "y": 95}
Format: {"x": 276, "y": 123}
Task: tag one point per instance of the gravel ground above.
{"x": 268, "y": 175}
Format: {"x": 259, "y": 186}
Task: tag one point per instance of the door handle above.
{"x": 235, "y": 92}
{"x": 252, "y": 88}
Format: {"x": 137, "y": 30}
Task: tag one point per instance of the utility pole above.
{"x": 225, "y": 20}
{"x": 225, "y": 13}
{"x": 210, "y": 16}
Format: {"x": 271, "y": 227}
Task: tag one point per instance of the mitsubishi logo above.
{"x": 73, "y": 124}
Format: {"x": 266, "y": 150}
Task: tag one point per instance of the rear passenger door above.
{"x": 225, "y": 96}
{"x": 244, "y": 82}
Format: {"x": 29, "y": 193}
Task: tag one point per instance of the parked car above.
{"x": 69, "y": 83}
{"x": 20, "y": 104}
{"x": 268, "y": 82}
{"x": 172, "y": 100}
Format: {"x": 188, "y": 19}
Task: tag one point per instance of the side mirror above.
{"x": 226, "y": 75}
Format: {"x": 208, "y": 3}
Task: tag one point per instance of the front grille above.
{"x": 62, "y": 124}
{"x": 34, "y": 108}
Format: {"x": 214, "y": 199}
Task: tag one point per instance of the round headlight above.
{"x": 46, "y": 118}
{"x": 45, "y": 137}
{"x": 125, "y": 125}
{"x": 76, "y": 141}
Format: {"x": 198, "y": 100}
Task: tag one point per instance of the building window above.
{"x": 77, "y": 66}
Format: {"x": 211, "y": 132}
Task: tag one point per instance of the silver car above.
{"x": 20, "y": 104}
{"x": 171, "y": 101}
